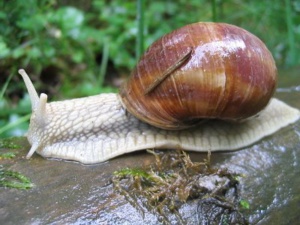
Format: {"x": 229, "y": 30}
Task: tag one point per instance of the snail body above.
{"x": 162, "y": 113}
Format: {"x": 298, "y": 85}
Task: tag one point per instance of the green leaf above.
{"x": 69, "y": 20}
{"x": 4, "y": 50}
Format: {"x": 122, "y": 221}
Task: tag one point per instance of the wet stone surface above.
{"x": 72, "y": 193}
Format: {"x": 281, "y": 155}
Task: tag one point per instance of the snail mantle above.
{"x": 225, "y": 77}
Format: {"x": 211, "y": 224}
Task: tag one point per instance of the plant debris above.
{"x": 173, "y": 180}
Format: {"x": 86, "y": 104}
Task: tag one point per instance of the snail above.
{"x": 205, "y": 86}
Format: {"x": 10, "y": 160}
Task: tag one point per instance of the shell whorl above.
{"x": 221, "y": 72}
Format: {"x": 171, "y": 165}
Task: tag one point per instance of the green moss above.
{"x": 8, "y": 177}
{"x": 132, "y": 172}
{"x": 244, "y": 204}
{"x": 12, "y": 179}
{"x": 7, "y": 155}
{"x": 173, "y": 180}
{"x": 11, "y": 143}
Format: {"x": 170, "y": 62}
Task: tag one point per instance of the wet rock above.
{"x": 69, "y": 192}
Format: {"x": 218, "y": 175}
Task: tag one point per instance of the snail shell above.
{"x": 201, "y": 71}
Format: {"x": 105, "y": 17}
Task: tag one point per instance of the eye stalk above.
{"x": 38, "y": 106}
{"x": 30, "y": 88}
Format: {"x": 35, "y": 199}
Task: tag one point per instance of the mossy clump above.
{"x": 13, "y": 179}
{"x": 10, "y": 178}
{"x": 173, "y": 180}
{"x": 7, "y": 155}
{"x": 11, "y": 143}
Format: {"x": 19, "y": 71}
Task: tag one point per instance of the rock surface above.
{"x": 72, "y": 193}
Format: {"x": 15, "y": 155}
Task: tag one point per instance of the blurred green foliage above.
{"x": 82, "y": 44}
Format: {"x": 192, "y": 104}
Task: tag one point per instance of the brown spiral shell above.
{"x": 201, "y": 71}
